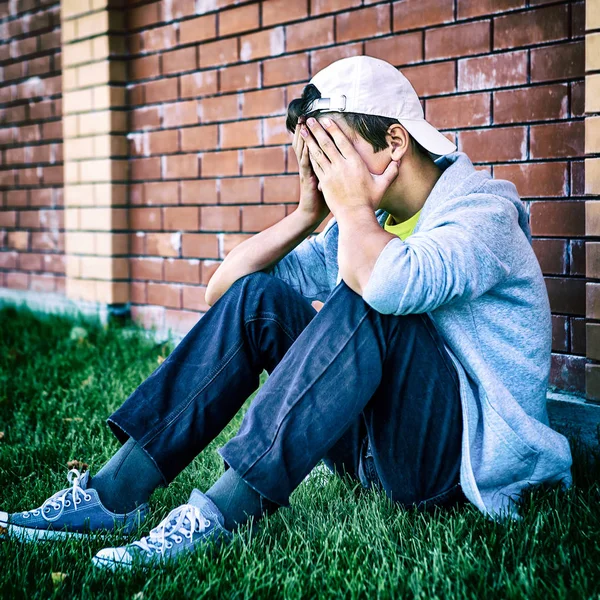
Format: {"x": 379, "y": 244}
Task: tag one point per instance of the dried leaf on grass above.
{"x": 77, "y": 464}
{"x": 58, "y": 578}
{"x": 161, "y": 359}
{"x": 70, "y": 419}
{"x": 1, "y": 435}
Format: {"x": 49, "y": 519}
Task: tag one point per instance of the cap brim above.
{"x": 428, "y": 136}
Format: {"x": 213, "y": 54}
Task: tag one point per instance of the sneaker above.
{"x": 70, "y": 513}
{"x": 185, "y": 529}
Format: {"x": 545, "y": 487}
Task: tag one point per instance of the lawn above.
{"x": 60, "y": 378}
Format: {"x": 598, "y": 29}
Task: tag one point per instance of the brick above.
{"x": 257, "y": 218}
{"x": 144, "y": 168}
{"x": 17, "y": 281}
{"x": 493, "y": 71}
{"x": 275, "y": 131}
{"x": 145, "y": 118}
{"x": 410, "y": 14}
{"x": 198, "y": 30}
{"x": 241, "y": 134}
{"x": 240, "y": 190}
{"x": 145, "y": 219}
{"x": 8, "y": 260}
{"x": 286, "y": 69}
{"x": 257, "y": 161}
{"x": 552, "y": 255}
{"x": 240, "y": 77}
{"x": 220, "y": 164}
{"x": 531, "y": 27}
{"x": 558, "y": 61}
{"x": 592, "y": 260}
{"x": 146, "y": 268}
{"x": 310, "y": 34}
{"x": 163, "y": 244}
{"x": 163, "y": 142}
{"x": 466, "y": 110}
{"x": 180, "y": 113}
{"x": 592, "y": 49}
{"x": 239, "y": 19}
{"x": 159, "y": 38}
{"x": 539, "y": 103}
{"x": 163, "y": 294}
{"x": 199, "y": 245}
{"x": 557, "y": 218}
{"x": 8, "y": 218}
{"x": 208, "y": 270}
{"x": 399, "y": 50}
{"x": 181, "y": 218}
{"x": 177, "y": 61}
{"x": 567, "y": 295}
{"x": 363, "y": 23}
{"x": 534, "y": 180}
{"x": 201, "y": 83}
{"x": 281, "y": 189}
{"x": 219, "y": 108}
{"x": 231, "y": 240}
{"x": 194, "y": 298}
{"x": 592, "y": 301}
{"x": 592, "y": 218}
{"x": 494, "y": 145}
{"x": 577, "y": 89}
{"x": 138, "y": 292}
{"x": 321, "y": 7}
{"x": 201, "y": 191}
{"x": 431, "y": 80}
{"x": 176, "y": 9}
{"x": 457, "y": 40}
{"x": 262, "y": 44}
{"x": 182, "y": 270}
{"x": 161, "y": 192}
{"x": 592, "y": 176}
{"x": 162, "y": 90}
{"x": 219, "y": 218}
{"x": 557, "y": 140}
{"x": 29, "y": 262}
{"x": 592, "y": 135}
{"x": 203, "y": 137}
{"x": 219, "y": 53}
{"x": 148, "y": 316}
{"x": 18, "y": 240}
{"x": 577, "y": 258}
{"x": 181, "y": 166}
{"x": 319, "y": 59}
{"x": 180, "y": 321}
{"x": 143, "y": 16}
{"x": 593, "y": 341}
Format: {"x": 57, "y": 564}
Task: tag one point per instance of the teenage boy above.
{"x": 424, "y": 374}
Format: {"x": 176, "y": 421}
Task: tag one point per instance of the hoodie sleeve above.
{"x": 304, "y": 267}
{"x": 459, "y": 254}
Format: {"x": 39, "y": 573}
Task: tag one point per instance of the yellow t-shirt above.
{"x": 404, "y": 229}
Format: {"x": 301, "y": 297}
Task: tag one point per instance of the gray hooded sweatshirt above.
{"x": 470, "y": 266}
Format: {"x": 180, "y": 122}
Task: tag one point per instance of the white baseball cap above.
{"x": 367, "y": 85}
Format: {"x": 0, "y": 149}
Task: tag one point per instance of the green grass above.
{"x": 57, "y": 388}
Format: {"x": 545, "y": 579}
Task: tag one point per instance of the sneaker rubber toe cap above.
{"x": 110, "y": 558}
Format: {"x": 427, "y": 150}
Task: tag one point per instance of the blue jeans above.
{"x": 373, "y": 395}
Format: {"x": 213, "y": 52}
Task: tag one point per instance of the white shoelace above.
{"x": 61, "y": 500}
{"x": 188, "y": 519}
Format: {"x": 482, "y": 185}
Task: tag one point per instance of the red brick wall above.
{"x": 31, "y": 173}
{"x": 209, "y": 82}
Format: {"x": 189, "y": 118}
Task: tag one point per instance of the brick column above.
{"x": 592, "y": 188}
{"x": 95, "y": 151}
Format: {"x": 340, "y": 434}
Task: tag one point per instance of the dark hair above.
{"x": 371, "y": 128}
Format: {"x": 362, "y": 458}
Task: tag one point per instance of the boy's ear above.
{"x": 398, "y": 141}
